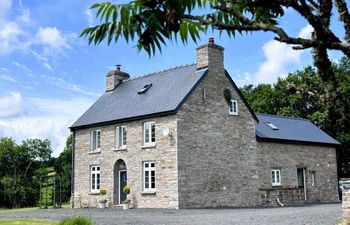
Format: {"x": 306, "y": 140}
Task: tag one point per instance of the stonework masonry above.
{"x": 164, "y": 154}
{"x": 288, "y": 158}
{"x": 216, "y": 151}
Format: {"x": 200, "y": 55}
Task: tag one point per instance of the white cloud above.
{"x": 5, "y": 7}
{"x": 10, "y": 105}
{"x": 39, "y": 118}
{"x": 52, "y": 39}
{"x": 89, "y": 17}
{"x": 61, "y": 83}
{"x": 7, "y": 77}
{"x": 305, "y": 32}
{"x": 279, "y": 58}
{"x": 23, "y": 67}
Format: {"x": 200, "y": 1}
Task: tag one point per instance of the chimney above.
{"x": 210, "y": 56}
{"x": 114, "y": 77}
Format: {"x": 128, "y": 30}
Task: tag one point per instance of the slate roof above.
{"x": 169, "y": 89}
{"x": 291, "y": 129}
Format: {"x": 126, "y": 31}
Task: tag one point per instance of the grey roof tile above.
{"x": 291, "y": 129}
{"x": 169, "y": 88}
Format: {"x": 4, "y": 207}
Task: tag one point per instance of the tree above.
{"x": 302, "y": 94}
{"x": 151, "y": 22}
{"x": 64, "y": 169}
{"x": 20, "y": 170}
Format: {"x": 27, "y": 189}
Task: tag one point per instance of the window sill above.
{"x": 276, "y": 185}
{"x": 94, "y": 193}
{"x": 148, "y": 193}
{"x": 124, "y": 148}
{"x": 149, "y": 146}
{"x": 95, "y": 152}
{"x": 233, "y": 114}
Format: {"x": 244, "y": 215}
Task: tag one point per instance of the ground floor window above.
{"x": 149, "y": 176}
{"x": 276, "y": 177}
{"x": 95, "y": 178}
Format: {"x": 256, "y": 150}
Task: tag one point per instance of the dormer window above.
{"x": 144, "y": 89}
{"x": 271, "y": 125}
{"x": 233, "y": 108}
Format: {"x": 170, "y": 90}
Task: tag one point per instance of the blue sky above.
{"x": 49, "y": 76}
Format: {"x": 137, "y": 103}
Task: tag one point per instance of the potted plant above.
{"x": 126, "y": 203}
{"x": 103, "y": 200}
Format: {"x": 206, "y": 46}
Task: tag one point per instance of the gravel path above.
{"x": 325, "y": 214}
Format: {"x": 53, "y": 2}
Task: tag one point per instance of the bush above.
{"x": 78, "y": 220}
{"x": 126, "y": 189}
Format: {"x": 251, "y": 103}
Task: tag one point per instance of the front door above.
{"x": 301, "y": 180}
{"x": 122, "y": 184}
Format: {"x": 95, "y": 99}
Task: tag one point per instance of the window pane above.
{"x": 93, "y": 181}
{"x": 93, "y": 140}
{"x": 273, "y": 176}
{"x": 147, "y": 132}
{"x": 146, "y": 165}
{"x": 97, "y": 168}
{"x": 93, "y": 168}
{"x": 117, "y": 143}
{"x": 98, "y": 181}
{"x": 98, "y": 139}
{"x": 153, "y": 132}
{"x": 153, "y": 179}
{"x": 120, "y": 136}
{"x": 153, "y": 164}
{"x": 146, "y": 179}
{"x": 234, "y": 106}
{"x": 124, "y": 135}
{"x": 278, "y": 177}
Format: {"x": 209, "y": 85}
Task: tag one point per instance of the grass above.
{"x": 64, "y": 206}
{"x": 16, "y": 221}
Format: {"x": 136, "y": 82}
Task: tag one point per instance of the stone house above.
{"x": 179, "y": 142}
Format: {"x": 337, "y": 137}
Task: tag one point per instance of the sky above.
{"x": 49, "y": 76}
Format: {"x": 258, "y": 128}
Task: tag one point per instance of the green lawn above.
{"x": 16, "y": 221}
{"x": 65, "y": 206}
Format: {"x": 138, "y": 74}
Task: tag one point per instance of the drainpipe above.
{"x": 304, "y": 173}
{"x": 73, "y": 164}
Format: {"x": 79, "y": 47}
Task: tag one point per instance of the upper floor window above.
{"x": 276, "y": 177}
{"x": 149, "y": 133}
{"x": 95, "y": 178}
{"x": 95, "y": 140}
{"x": 149, "y": 176}
{"x": 120, "y": 137}
{"x": 233, "y": 107}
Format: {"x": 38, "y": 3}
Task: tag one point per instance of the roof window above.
{"x": 271, "y": 125}
{"x": 144, "y": 89}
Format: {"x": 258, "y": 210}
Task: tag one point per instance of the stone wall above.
{"x": 288, "y": 157}
{"x": 216, "y": 151}
{"x": 164, "y": 154}
{"x": 346, "y": 199}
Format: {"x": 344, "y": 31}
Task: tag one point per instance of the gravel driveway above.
{"x": 325, "y": 214}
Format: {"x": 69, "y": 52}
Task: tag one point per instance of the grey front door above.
{"x": 122, "y": 184}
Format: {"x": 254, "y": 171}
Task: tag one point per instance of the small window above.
{"x": 149, "y": 176}
{"x": 149, "y": 133}
{"x": 300, "y": 176}
{"x": 271, "y": 125}
{"x": 95, "y": 179}
{"x": 276, "y": 177}
{"x": 233, "y": 107}
{"x": 120, "y": 137}
{"x": 144, "y": 89}
{"x": 313, "y": 178}
{"x": 95, "y": 140}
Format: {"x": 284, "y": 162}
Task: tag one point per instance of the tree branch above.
{"x": 344, "y": 16}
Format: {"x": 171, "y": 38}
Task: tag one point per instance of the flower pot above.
{"x": 103, "y": 205}
{"x": 126, "y": 206}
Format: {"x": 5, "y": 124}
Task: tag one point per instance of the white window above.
{"x": 95, "y": 140}
{"x": 149, "y": 176}
{"x": 276, "y": 177}
{"x": 149, "y": 133}
{"x": 233, "y": 107}
{"x": 120, "y": 137}
{"x": 95, "y": 179}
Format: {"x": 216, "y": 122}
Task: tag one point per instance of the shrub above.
{"x": 126, "y": 189}
{"x": 103, "y": 191}
{"x": 78, "y": 220}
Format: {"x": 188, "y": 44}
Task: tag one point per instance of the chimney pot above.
{"x": 117, "y": 68}
{"x": 211, "y": 40}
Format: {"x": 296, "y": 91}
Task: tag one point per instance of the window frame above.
{"x": 148, "y": 169}
{"x": 123, "y": 138}
{"x": 98, "y": 140}
{"x": 313, "y": 178}
{"x": 274, "y": 181}
{"x": 96, "y": 182}
{"x": 149, "y": 136}
{"x": 231, "y": 108}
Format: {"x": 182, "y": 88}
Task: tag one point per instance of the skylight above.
{"x": 271, "y": 125}
{"x": 144, "y": 89}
